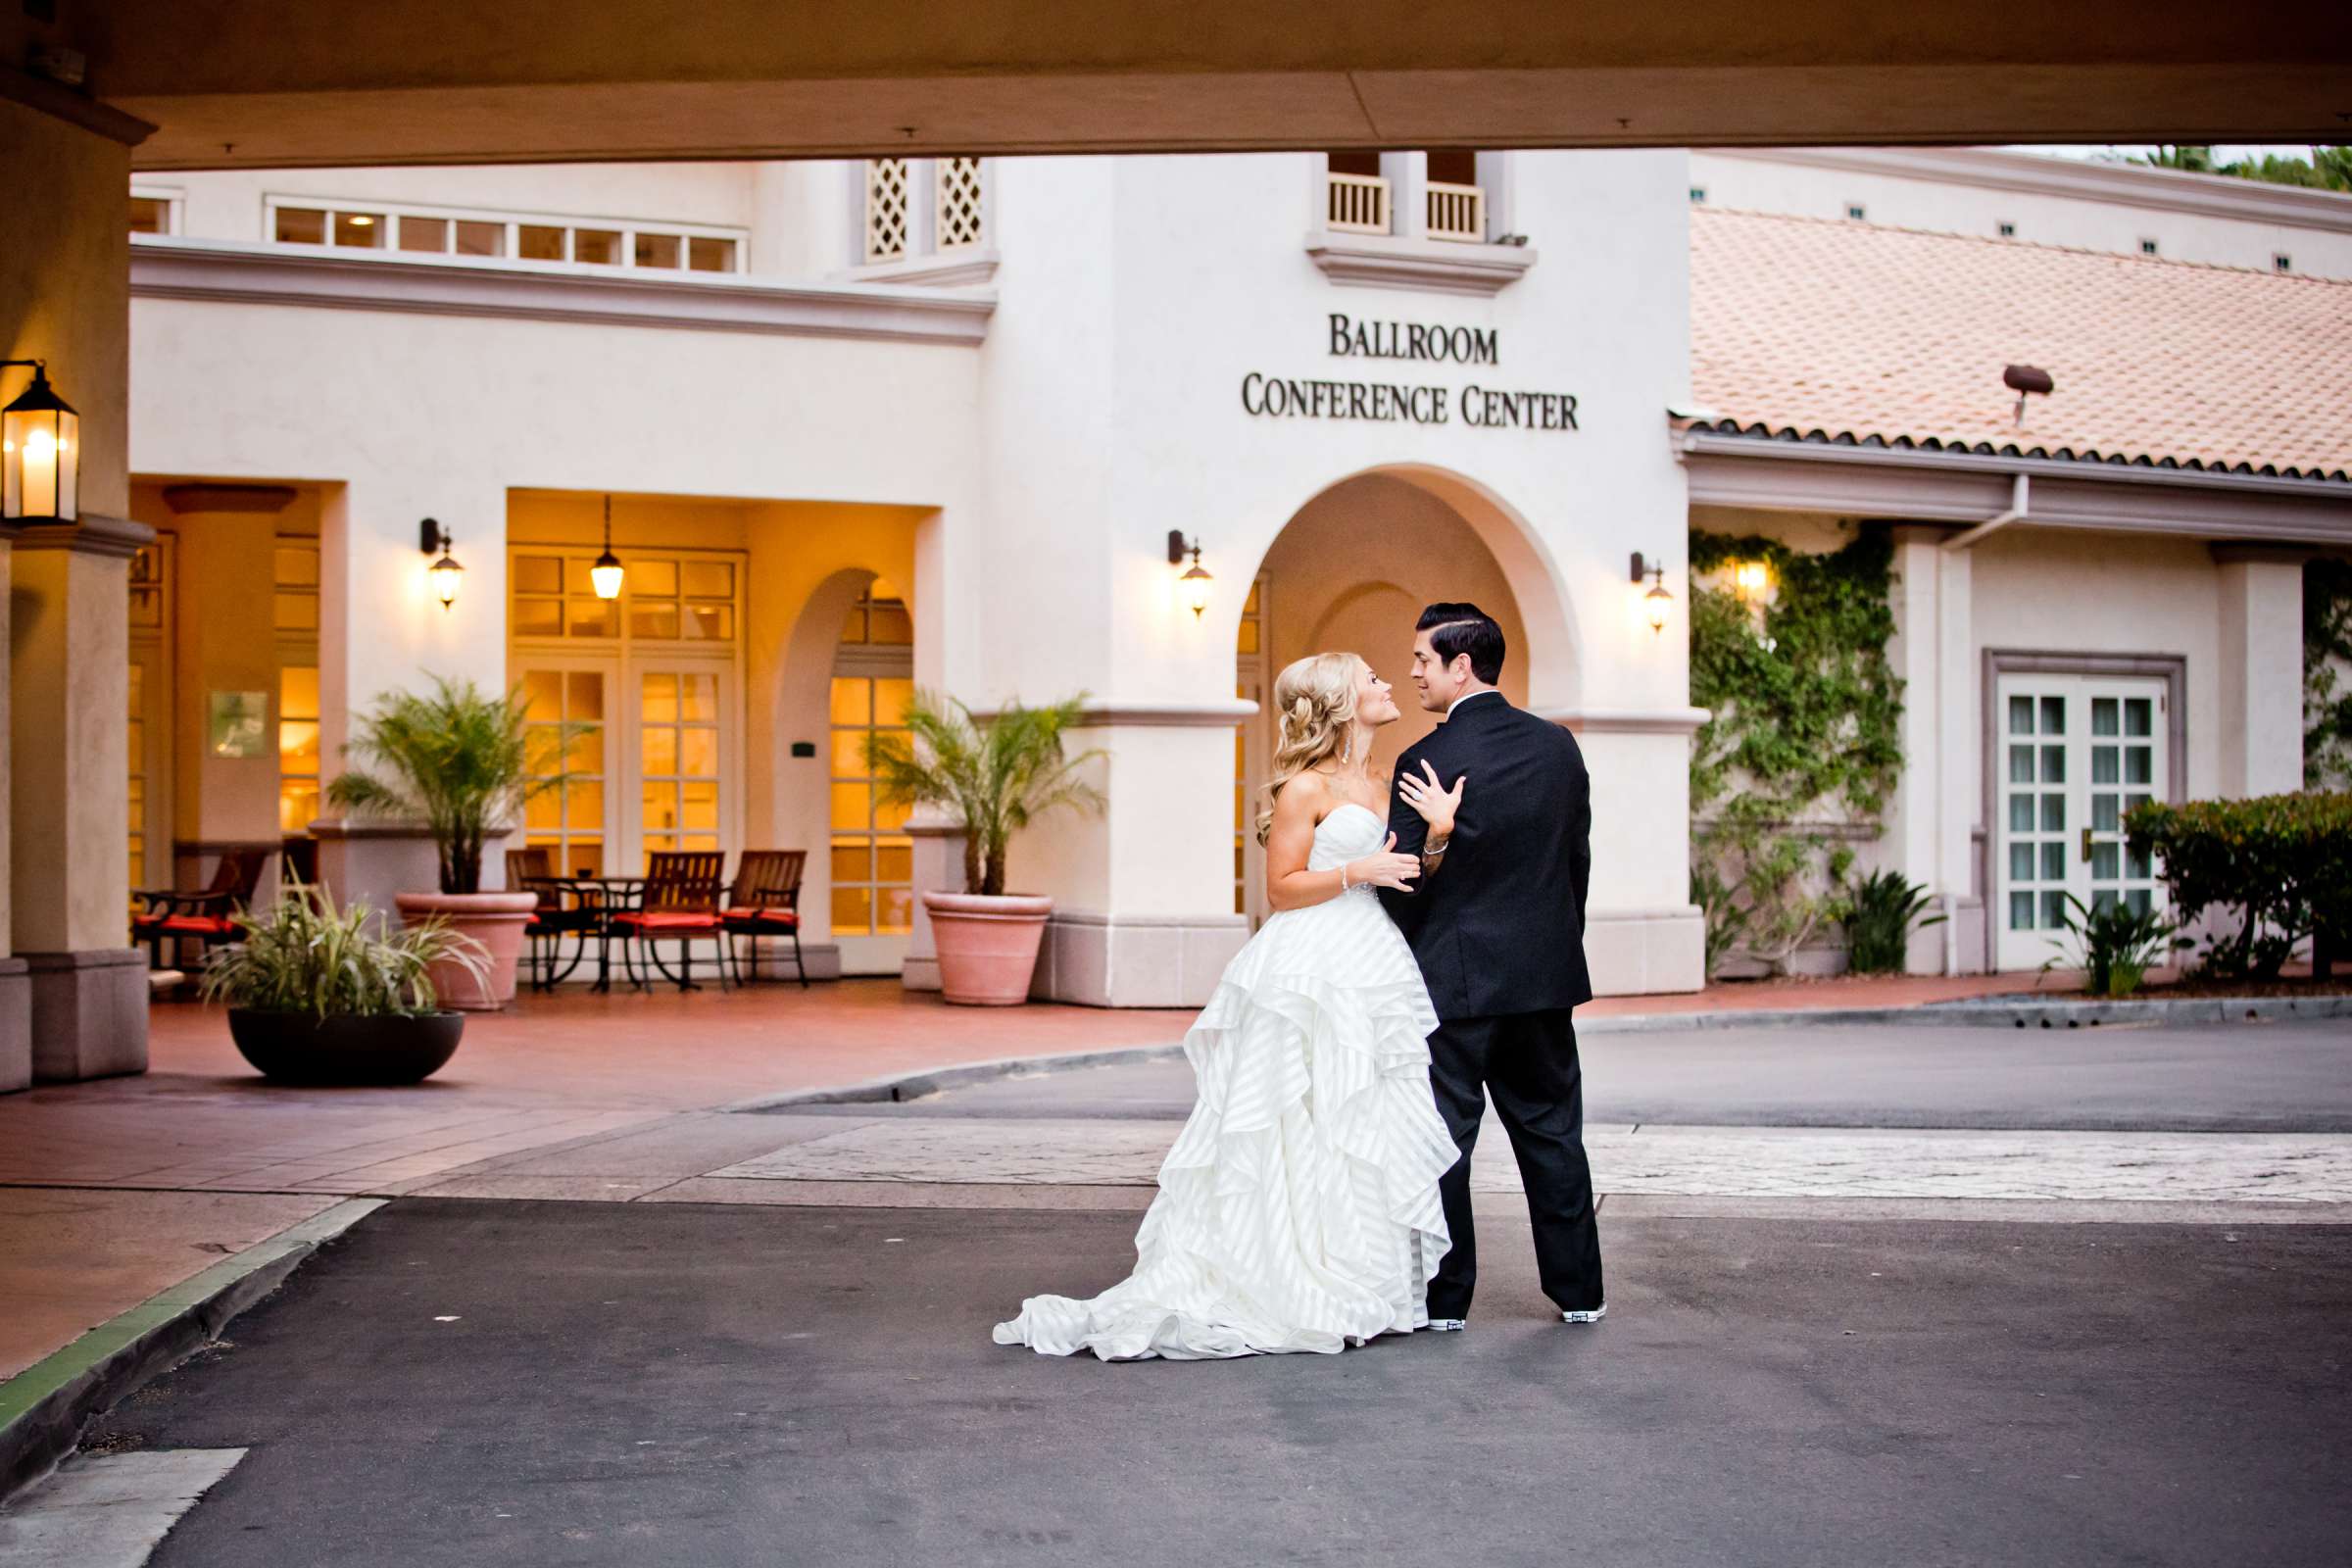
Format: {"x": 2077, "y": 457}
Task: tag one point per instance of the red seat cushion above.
{"x": 759, "y": 916}
{"x": 668, "y": 920}
{"x": 200, "y": 925}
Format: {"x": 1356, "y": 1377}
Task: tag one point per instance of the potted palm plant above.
{"x": 316, "y": 995}
{"x": 463, "y": 764}
{"x": 999, "y": 775}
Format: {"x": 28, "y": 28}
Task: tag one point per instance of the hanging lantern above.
{"x": 40, "y": 449}
{"x": 1657, "y": 604}
{"x": 605, "y": 573}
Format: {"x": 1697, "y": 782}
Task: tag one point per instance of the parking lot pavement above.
{"x": 493, "y": 1383}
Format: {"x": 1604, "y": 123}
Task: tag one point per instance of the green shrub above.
{"x": 306, "y": 955}
{"x": 2282, "y": 862}
{"x": 2114, "y": 946}
{"x": 1882, "y": 911}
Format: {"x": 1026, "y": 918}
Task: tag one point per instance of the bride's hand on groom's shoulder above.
{"x": 1435, "y": 803}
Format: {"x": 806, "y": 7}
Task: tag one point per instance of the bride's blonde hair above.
{"x": 1315, "y": 719}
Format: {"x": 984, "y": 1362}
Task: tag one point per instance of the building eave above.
{"x": 175, "y": 268}
{"x": 1965, "y": 488}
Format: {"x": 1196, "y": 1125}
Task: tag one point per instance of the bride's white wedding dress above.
{"x": 1299, "y": 1209}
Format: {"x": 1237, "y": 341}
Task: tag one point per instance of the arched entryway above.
{"x": 1352, "y": 570}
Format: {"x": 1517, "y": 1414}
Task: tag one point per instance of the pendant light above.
{"x": 606, "y": 574}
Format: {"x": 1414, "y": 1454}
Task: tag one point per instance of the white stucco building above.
{"x": 936, "y": 421}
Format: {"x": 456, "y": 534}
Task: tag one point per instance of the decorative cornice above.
{"x": 93, "y": 535}
{"x": 2118, "y": 185}
{"x": 957, "y": 268}
{"x": 175, "y": 268}
{"x": 1439, "y": 266}
{"x": 1107, "y": 712}
{"x": 1626, "y": 721}
{"x": 63, "y": 103}
{"x": 186, "y": 499}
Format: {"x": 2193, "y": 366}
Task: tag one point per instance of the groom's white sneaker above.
{"x": 1447, "y": 1325}
{"x": 1594, "y": 1316}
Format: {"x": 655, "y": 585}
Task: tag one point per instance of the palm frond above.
{"x": 997, "y": 775}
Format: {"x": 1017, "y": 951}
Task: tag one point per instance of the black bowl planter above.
{"x": 394, "y": 1047}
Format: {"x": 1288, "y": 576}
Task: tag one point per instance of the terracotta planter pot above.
{"x": 495, "y": 920}
{"x": 987, "y": 945}
{"x": 294, "y": 1047}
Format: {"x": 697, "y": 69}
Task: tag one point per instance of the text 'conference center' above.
{"x": 961, "y": 423}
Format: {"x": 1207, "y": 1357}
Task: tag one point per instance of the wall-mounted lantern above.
{"x": 1657, "y": 604}
{"x": 1751, "y": 579}
{"x": 40, "y": 449}
{"x": 1192, "y": 587}
{"x": 605, "y": 574}
{"x": 444, "y": 574}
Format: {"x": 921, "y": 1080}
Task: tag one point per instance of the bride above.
{"x": 1298, "y": 1209}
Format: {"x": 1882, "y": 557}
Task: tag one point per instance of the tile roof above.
{"x": 1820, "y": 330}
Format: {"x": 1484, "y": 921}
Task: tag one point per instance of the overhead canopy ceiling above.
{"x": 406, "y": 81}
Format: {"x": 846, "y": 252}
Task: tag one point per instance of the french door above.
{"x": 2074, "y": 753}
{"x": 657, "y": 771}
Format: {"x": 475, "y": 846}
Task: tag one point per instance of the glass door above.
{"x": 574, "y": 822}
{"x": 2077, "y": 752}
{"x": 681, "y": 766}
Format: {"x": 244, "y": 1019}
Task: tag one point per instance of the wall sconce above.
{"x": 1658, "y": 603}
{"x": 1751, "y": 579}
{"x": 605, "y": 573}
{"x": 1193, "y": 586}
{"x": 444, "y": 574}
{"x": 41, "y": 451}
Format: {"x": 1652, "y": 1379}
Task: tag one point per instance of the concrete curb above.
{"x": 915, "y": 1086}
{"x": 44, "y": 1409}
{"x": 2017, "y": 1012}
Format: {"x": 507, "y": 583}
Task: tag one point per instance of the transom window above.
{"x": 664, "y": 597}
{"x": 419, "y": 233}
{"x": 873, "y": 859}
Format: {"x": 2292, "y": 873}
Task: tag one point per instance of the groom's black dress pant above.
{"x": 1528, "y": 1062}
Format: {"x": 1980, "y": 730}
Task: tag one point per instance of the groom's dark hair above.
{"x": 1456, "y": 629}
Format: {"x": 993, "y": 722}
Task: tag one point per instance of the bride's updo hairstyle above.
{"x": 1314, "y": 712}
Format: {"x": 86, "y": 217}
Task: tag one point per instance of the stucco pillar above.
{"x": 69, "y": 852}
{"x": 223, "y": 643}
{"x": 65, "y": 298}
{"x": 938, "y": 869}
{"x": 1956, "y": 754}
{"x": 1142, "y": 919}
{"x": 1407, "y": 174}
{"x": 2261, "y": 673}
{"x": 1913, "y": 837}
{"x": 16, "y": 986}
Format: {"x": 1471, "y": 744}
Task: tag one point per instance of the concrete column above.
{"x": 2261, "y": 668}
{"x": 1407, "y": 174}
{"x": 1911, "y": 843}
{"x": 1956, "y": 755}
{"x": 222, "y": 642}
{"x": 65, "y": 297}
{"x": 1143, "y": 919}
{"x": 15, "y": 985}
{"x": 70, "y": 860}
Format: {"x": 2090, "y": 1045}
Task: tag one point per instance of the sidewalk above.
{"x": 114, "y": 1190}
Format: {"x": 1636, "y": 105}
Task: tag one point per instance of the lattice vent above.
{"x": 886, "y": 215}
{"x": 959, "y": 208}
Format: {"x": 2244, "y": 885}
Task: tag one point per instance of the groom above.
{"x": 1498, "y": 923}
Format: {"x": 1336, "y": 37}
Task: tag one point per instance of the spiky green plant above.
{"x": 306, "y": 955}
{"x": 998, "y": 774}
{"x": 1881, "y": 911}
{"x": 458, "y": 761}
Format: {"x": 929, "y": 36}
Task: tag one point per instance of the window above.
{"x": 2280, "y": 261}
{"x": 1456, "y": 206}
{"x": 886, "y": 217}
{"x": 1699, "y": 195}
{"x": 569, "y": 819}
{"x": 1357, "y": 199}
{"x": 874, "y": 861}
{"x": 146, "y": 589}
{"x": 688, "y": 601}
{"x": 677, "y": 745}
{"x": 136, "y": 741}
{"x": 295, "y": 605}
{"x": 297, "y": 748}
{"x": 1854, "y": 211}
{"x": 1249, "y": 684}
{"x": 153, "y": 214}
{"x": 417, "y": 232}
{"x": 2147, "y": 247}
{"x": 2006, "y": 229}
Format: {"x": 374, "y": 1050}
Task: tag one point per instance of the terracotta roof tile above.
{"x": 1821, "y": 329}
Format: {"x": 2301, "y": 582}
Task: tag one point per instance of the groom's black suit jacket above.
{"x": 1499, "y": 927}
